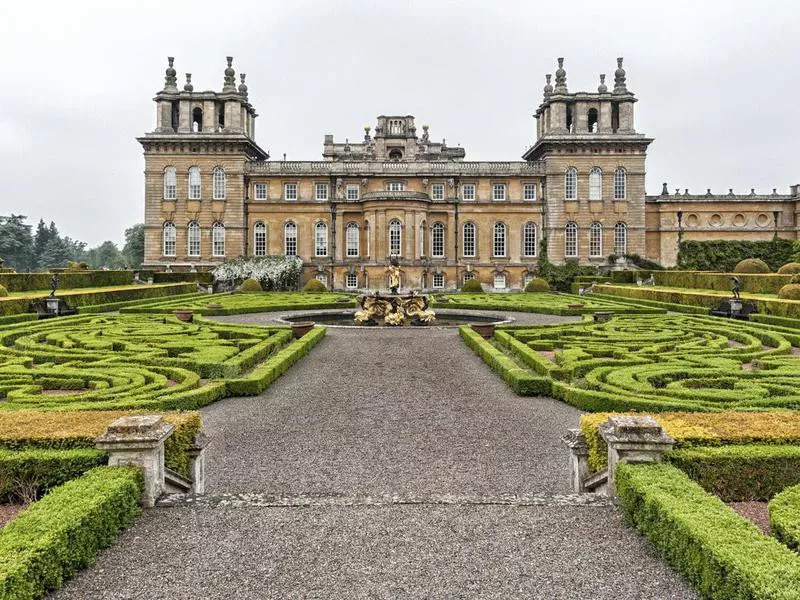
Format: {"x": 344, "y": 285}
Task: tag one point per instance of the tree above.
{"x": 40, "y": 239}
{"x": 105, "y": 256}
{"x": 56, "y": 253}
{"x": 16, "y": 243}
{"x": 134, "y": 245}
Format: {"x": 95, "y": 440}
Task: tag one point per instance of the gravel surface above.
{"x": 755, "y": 512}
{"x": 9, "y": 511}
{"x": 386, "y": 464}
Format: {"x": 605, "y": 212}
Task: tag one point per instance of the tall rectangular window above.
{"x": 194, "y": 183}
{"x": 469, "y": 240}
{"x": 468, "y": 192}
{"x": 571, "y": 240}
{"x": 499, "y": 282}
{"x": 529, "y": 239}
{"x": 193, "y": 239}
{"x": 437, "y": 240}
{"x": 394, "y": 237}
{"x": 595, "y": 240}
{"x": 290, "y": 191}
{"x": 261, "y": 191}
{"x": 437, "y": 191}
{"x": 321, "y": 191}
{"x": 352, "y": 192}
{"x": 170, "y": 184}
{"x": 529, "y": 191}
{"x": 499, "y": 191}
{"x": 260, "y": 239}
{"x": 321, "y": 239}
{"x": 499, "y": 245}
{"x": 290, "y": 239}
{"x": 351, "y": 239}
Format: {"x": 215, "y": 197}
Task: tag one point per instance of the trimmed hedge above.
{"x": 314, "y": 286}
{"x": 740, "y": 473}
{"x": 250, "y": 286}
{"x": 472, "y": 286}
{"x": 28, "y": 473}
{"x": 205, "y": 278}
{"x": 724, "y": 556}
{"x": 61, "y": 533}
{"x": 537, "y": 284}
{"x": 723, "y": 255}
{"x": 236, "y": 304}
{"x": 790, "y": 292}
{"x": 752, "y": 265}
{"x": 753, "y": 283}
{"x": 791, "y": 268}
{"x": 784, "y": 517}
{"x": 33, "y": 282}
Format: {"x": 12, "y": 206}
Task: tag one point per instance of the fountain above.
{"x": 394, "y": 309}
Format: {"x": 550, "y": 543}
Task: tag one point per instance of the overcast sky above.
{"x": 717, "y": 83}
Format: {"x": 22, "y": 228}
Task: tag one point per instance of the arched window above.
{"x": 395, "y": 229}
{"x": 197, "y": 120}
{"x": 437, "y": 240}
{"x": 321, "y": 239}
{"x": 194, "y": 183}
{"x": 290, "y": 239}
{"x": 499, "y": 245}
{"x": 260, "y": 239}
{"x": 352, "y": 239}
{"x": 193, "y": 239}
{"x": 571, "y": 184}
{"x": 169, "y": 237}
{"x": 595, "y": 184}
{"x": 620, "y": 239}
{"x": 595, "y": 239}
{"x": 218, "y": 181}
{"x": 591, "y": 120}
{"x": 529, "y": 239}
{"x": 620, "y": 184}
{"x": 170, "y": 184}
{"x": 468, "y": 241}
{"x": 218, "y": 239}
{"x": 571, "y": 240}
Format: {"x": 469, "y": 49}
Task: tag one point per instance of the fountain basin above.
{"x": 444, "y": 318}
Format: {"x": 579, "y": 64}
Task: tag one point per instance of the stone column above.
{"x": 578, "y": 459}
{"x": 635, "y": 440}
{"x": 139, "y": 441}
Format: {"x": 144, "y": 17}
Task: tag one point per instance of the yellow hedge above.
{"x": 704, "y": 429}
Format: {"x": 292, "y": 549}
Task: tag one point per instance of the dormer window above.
{"x": 395, "y": 154}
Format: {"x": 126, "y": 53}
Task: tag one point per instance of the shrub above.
{"x": 537, "y": 284}
{"x": 314, "y": 286}
{"x": 724, "y": 556}
{"x": 790, "y": 292}
{"x": 795, "y": 278}
{"x": 273, "y": 272}
{"x": 61, "y": 533}
{"x": 791, "y": 268}
{"x": 473, "y": 286}
{"x": 29, "y": 282}
{"x": 752, "y": 265}
{"x": 250, "y": 285}
{"x": 77, "y": 266}
{"x": 3, "y": 292}
{"x": 784, "y": 517}
{"x": 561, "y": 277}
{"x": 26, "y": 474}
{"x": 722, "y": 255}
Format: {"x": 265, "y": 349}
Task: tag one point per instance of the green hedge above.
{"x": 31, "y": 282}
{"x": 13, "y": 306}
{"x": 61, "y": 533}
{"x": 741, "y": 473}
{"x": 784, "y": 517}
{"x": 163, "y": 277}
{"x": 752, "y": 283}
{"x": 721, "y": 554}
{"x": 724, "y": 255}
{"x": 28, "y": 473}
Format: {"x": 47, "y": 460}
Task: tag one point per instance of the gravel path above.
{"x": 387, "y": 464}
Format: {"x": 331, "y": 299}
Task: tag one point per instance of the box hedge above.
{"x": 724, "y": 556}
{"x": 26, "y": 474}
{"x": 52, "y": 539}
{"x": 752, "y": 283}
{"x": 29, "y": 282}
{"x": 784, "y": 517}
{"x": 723, "y": 255}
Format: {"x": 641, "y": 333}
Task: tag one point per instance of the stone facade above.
{"x": 579, "y": 191}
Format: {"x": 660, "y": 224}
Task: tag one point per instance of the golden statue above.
{"x": 394, "y": 275}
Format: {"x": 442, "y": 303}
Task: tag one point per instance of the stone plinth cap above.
{"x": 626, "y": 429}
{"x": 201, "y": 440}
{"x": 137, "y": 429}
{"x": 575, "y": 440}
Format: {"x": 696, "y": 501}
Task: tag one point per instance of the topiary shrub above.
{"x": 473, "y": 286}
{"x": 314, "y": 286}
{"x": 790, "y": 292}
{"x": 250, "y": 286}
{"x": 3, "y": 292}
{"x": 752, "y": 265}
{"x": 537, "y": 284}
{"x": 791, "y": 268}
{"x": 795, "y": 278}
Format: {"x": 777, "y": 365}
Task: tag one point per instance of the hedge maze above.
{"x": 113, "y": 362}
{"x": 540, "y": 302}
{"x": 240, "y": 303}
{"x": 654, "y": 363}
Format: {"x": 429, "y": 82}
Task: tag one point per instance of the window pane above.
{"x": 500, "y": 282}
{"x": 499, "y": 191}
{"x": 468, "y": 191}
{"x": 619, "y": 184}
{"x": 595, "y": 184}
{"x": 169, "y": 235}
{"x": 437, "y": 191}
{"x": 170, "y": 184}
{"x": 218, "y": 239}
{"x": 193, "y": 239}
{"x": 352, "y": 240}
{"x": 321, "y": 239}
{"x": 437, "y": 240}
{"x": 571, "y": 240}
{"x": 290, "y": 191}
{"x": 596, "y": 240}
{"x": 571, "y": 184}
{"x": 352, "y": 281}
{"x": 290, "y": 239}
{"x": 394, "y": 237}
{"x": 529, "y": 191}
{"x": 469, "y": 240}
{"x": 438, "y": 280}
{"x": 260, "y": 239}
{"x": 529, "y": 239}
{"x": 620, "y": 238}
{"x": 218, "y": 180}
{"x": 352, "y": 192}
{"x": 499, "y": 239}
{"x": 322, "y": 191}
{"x": 194, "y": 183}
{"x": 261, "y": 191}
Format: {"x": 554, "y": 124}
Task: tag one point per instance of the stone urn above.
{"x": 301, "y": 328}
{"x": 214, "y": 306}
{"x": 187, "y": 316}
{"x": 485, "y": 330}
{"x": 575, "y": 306}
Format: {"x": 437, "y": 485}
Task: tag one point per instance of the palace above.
{"x": 212, "y": 194}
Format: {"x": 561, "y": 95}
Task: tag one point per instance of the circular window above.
{"x": 738, "y": 220}
{"x": 715, "y": 220}
{"x": 692, "y": 220}
{"x": 395, "y": 154}
{"x": 762, "y": 220}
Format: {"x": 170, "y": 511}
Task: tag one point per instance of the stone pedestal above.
{"x": 139, "y": 441}
{"x": 633, "y": 439}
{"x": 578, "y": 459}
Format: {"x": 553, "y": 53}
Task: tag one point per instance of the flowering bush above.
{"x": 272, "y": 272}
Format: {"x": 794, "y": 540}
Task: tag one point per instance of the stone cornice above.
{"x": 587, "y": 140}
{"x": 365, "y": 168}
{"x": 167, "y": 142}
{"x": 717, "y": 198}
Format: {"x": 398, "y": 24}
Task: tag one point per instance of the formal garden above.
{"x": 722, "y": 507}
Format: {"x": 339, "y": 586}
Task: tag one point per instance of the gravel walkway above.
{"x": 387, "y": 464}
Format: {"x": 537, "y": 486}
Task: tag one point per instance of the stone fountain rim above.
{"x": 306, "y": 314}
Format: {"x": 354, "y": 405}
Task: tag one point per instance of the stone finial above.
{"x": 602, "y": 88}
{"x": 188, "y": 87}
{"x": 774, "y": 191}
{"x": 230, "y": 76}
{"x": 752, "y": 191}
{"x": 677, "y": 191}
{"x": 548, "y": 87}
{"x": 664, "y": 190}
{"x": 686, "y": 192}
{"x": 708, "y": 191}
{"x": 425, "y": 134}
{"x": 367, "y": 129}
{"x": 561, "y": 78}
{"x": 171, "y": 79}
{"x": 619, "y": 79}
{"x": 730, "y": 191}
{"x": 243, "y": 85}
